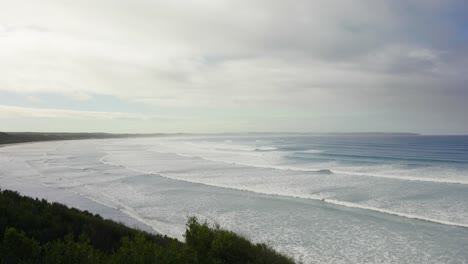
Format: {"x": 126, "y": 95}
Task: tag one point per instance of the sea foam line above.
{"x": 308, "y": 197}
{"x": 124, "y": 209}
{"x": 344, "y": 173}
{"x": 121, "y": 207}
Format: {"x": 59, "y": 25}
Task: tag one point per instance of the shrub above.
{"x": 35, "y": 231}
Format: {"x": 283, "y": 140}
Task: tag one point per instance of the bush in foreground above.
{"x": 36, "y": 231}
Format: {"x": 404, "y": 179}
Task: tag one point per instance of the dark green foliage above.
{"x": 73, "y": 252}
{"x": 17, "y": 247}
{"x": 18, "y": 137}
{"x": 47, "y": 222}
{"x": 214, "y": 245}
{"x": 35, "y": 231}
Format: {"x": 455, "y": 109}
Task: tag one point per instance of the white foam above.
{"x": 266, "y": 148}
{"x": 115, "y": 204}
{"x": 311, "y": 151}
{"x": 405, "y": 178}
{"x": 277, "y": 156}
{"x": 335, "y": 202}
{"x": 276, "y": 160}
{"x": 164, "y": 206}
{"x": 270, "y": 189}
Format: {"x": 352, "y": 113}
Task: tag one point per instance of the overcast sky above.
{"x": 232, "y": 66}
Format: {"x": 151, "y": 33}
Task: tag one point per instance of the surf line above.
{"x": 330, "y": 201}
{"x": 390, "y": 212}
{"x": 327, "y": 171}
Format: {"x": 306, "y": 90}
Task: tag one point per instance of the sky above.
{"x": 148, "y": 66}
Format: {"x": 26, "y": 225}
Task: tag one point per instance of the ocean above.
{"x": 356, "y": 198}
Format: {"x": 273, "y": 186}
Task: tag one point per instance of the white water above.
{"x": 362, "y": 218}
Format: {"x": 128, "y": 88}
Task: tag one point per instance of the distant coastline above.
{"x": 23, "y": 137}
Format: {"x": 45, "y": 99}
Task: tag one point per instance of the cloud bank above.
{"x": 20, "y": 112}
{"x": 361, "y": 59}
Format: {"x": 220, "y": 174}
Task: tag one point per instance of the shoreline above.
{"x": 9, "y": 138}
{"x": 127, "y": 218}
{"x": 76, "y": 200}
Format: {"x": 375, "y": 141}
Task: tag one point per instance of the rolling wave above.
{"x": 300, "y": 196}
{"x": 310, "y": 151}
{"x": 391, "y": 158}
{"x": 330, "y": 171}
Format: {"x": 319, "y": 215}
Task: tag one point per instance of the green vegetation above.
{"x": 19, "y": 137}
{"x": 36, "y": 231}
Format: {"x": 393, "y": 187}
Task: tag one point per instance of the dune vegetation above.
{"x": 22, "y": 137}
{"x": 36, "y": 231}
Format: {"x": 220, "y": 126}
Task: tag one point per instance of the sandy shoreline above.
{"x": 75, "y": 200}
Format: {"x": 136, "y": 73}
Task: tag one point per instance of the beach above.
{"x": 310, "y": 210}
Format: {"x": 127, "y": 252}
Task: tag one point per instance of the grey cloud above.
{"x": 308, "y": 55}
{"x": 22, "y": 112}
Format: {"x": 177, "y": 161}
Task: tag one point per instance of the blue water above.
{"x": 318, "y": 198}
{"x": 418, "y": 150}
{"x": 441, "y": 157}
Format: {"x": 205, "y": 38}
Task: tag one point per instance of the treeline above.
{"x": 36, "y": 231}
{"x": 19, "y": 137}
